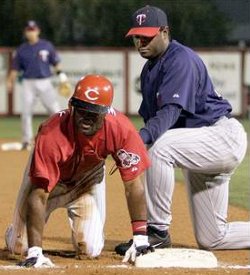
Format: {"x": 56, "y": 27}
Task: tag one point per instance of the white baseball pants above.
{"x": 33, "y": 89}
{"x": 86, "y": 217}
{"x": 208, "y": 157}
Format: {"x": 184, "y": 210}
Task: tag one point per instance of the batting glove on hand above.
{"x": 36, "y": 259}
{"x": 140, "y": 246}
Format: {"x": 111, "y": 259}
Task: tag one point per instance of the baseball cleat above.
{"x": 156, "y": 238}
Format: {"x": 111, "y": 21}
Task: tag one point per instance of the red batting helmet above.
{"x": 93, "y": 93}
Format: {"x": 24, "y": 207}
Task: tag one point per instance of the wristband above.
{"x": 139, "y": 227}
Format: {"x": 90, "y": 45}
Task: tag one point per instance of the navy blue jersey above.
{"x": 179, "y": 77}
{"x": 34, "y": 60}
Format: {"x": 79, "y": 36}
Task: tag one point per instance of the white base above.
{"x": 11, "y": 146}
{"x": 177, "y": 257}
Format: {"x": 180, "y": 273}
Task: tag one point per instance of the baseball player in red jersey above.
{"x": 66, "y": 170}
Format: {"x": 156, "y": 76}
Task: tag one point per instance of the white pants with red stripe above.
{"x": 208, "y": 157}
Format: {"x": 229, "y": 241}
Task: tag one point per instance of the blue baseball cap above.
{"x": 147, "y": 21}
{"x": 31, "y": 25}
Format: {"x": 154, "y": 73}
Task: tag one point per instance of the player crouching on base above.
{"x": 66, "y": 169}
{"x": 190, "y": 126}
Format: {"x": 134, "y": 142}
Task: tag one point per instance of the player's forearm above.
{"x": 12, "y": 76}
{"x": 37, "y": 203}
{"x": 164, "y": 120}
{"x": 136, "y": 201}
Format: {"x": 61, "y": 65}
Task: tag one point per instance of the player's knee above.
{"x": 160, "y": 153}
{"x": 211, "y": 243}
{"x": 94, "y": 249}
{"x": 15, "y": 244}
{"x": 91, "y": 249}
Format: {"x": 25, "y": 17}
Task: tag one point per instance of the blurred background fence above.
{"x": 90, "y": 37}
{"x": 228, "y": 67}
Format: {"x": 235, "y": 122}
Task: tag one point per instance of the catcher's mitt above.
{"x": 65, "y": 89}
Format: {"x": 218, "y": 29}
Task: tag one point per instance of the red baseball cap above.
{"x": 147, "y": 21}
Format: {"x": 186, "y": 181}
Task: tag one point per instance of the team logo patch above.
{"x": 141, "y": 18}
{"x": 92, "y": 94}
{"x": 44, "y": 55}
{"x": 127, "y": 158}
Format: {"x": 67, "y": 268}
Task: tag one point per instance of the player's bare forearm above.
{"x": 11, "y": 79}
{"x": 136, "y": 201}
{"x": 12, "y": 75}
{"x": 37, "y": 203}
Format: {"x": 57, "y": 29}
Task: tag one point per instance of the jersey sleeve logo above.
{"x": 127, "y": 159}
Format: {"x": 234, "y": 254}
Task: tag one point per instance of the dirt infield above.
{"x": 57, "y": 233}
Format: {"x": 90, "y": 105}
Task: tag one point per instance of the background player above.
{"x": 65, "y": 167}
{"x": 33, "y": 59}
{"x": 188, "y": 125}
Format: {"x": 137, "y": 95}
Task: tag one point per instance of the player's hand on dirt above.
{"x": 36, "y": 259}
{"x": 140, "y": 246}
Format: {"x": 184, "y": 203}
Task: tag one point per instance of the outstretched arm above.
{"x": 11, "y": 80}
{"x": 135, "y": 195}
{"x": 159, "y": 124}
{"x": 136, "y": 201}
{"x": 37, "y": 203}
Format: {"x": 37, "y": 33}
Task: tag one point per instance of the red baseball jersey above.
{"x": 62, "y": 155}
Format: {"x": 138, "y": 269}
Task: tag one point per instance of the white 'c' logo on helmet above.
{"x": 92, "y": 94}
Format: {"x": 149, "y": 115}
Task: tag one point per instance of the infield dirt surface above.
{"x": 57, "y": 233}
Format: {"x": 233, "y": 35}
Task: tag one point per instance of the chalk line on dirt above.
{"x": 118, "y": 266}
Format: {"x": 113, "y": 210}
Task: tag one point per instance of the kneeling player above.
{"x": 66, "y": 170}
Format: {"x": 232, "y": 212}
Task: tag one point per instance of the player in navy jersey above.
{"x": 33, "y": 60}
{"x": 187, "y": 125}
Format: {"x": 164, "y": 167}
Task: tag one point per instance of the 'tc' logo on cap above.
{"x": 92, "y": 94}
{"x": 141, "y": 18}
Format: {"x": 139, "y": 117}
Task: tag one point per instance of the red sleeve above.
{"x": 44, "y": 171}
{"x": 131, "y": 154}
